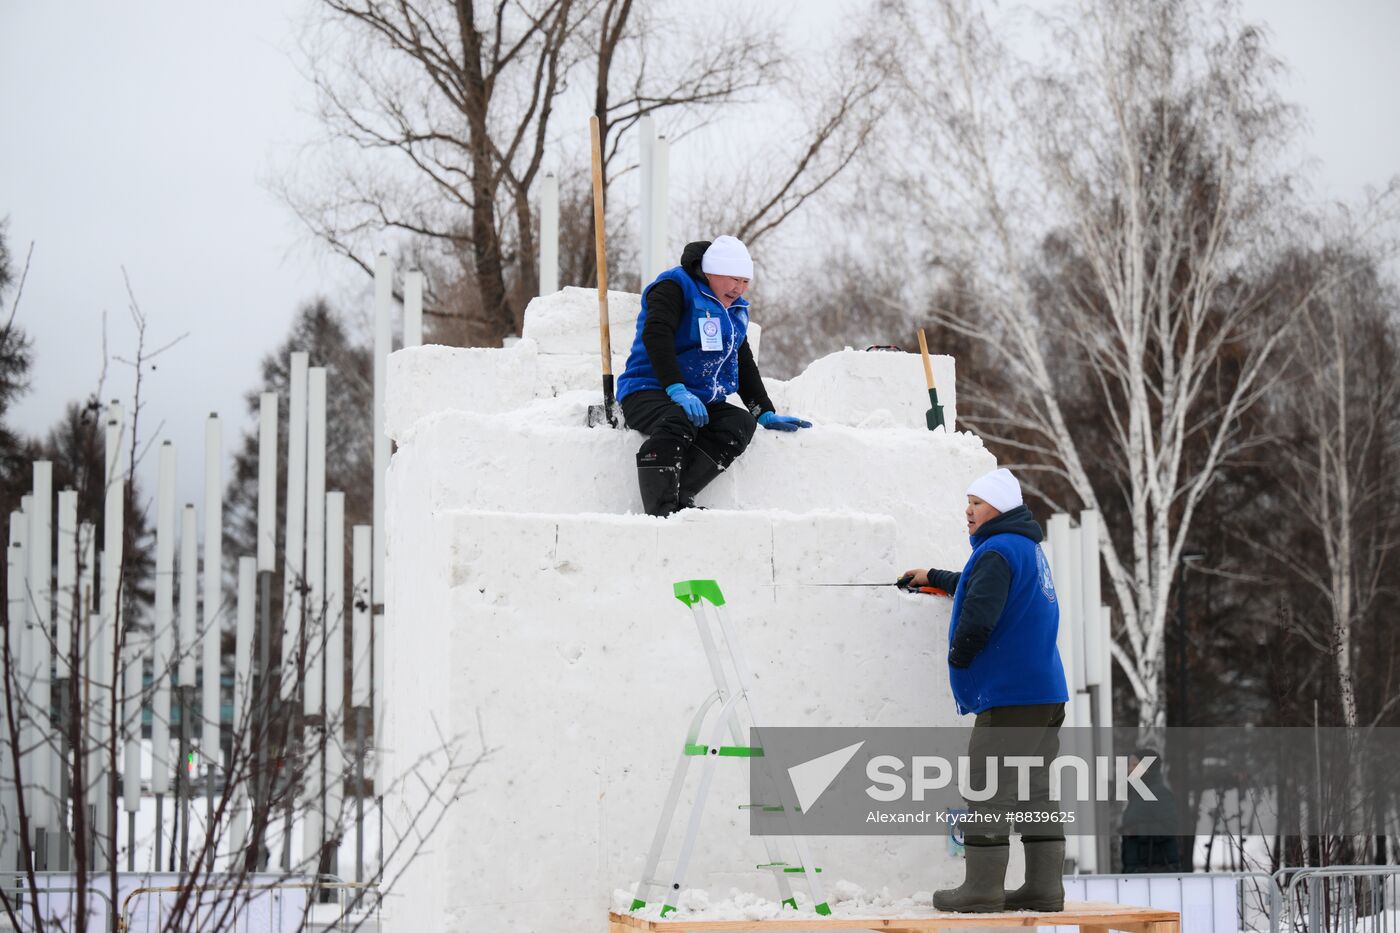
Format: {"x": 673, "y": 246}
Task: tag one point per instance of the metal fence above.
{"x": 234, "y": 905}
{"x": 1336, "y": 899}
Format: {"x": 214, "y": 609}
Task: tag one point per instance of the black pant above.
{"x": 723, "y": 439}
{"x": 1000, "y": 732}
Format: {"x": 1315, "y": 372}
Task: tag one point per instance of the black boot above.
{"x": 699, "y": 471}
{"x": 659, "y": 475}
{"x": 1044, "y": 889}
{"x": 981, "y": 891}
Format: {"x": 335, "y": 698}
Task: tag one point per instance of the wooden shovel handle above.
{"x": 600, "y": 248}
{"x": 923, "y": 349}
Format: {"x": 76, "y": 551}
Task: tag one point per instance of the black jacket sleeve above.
{"x": 945, "y": 580}
{"x": 665, "y": 308}
{"x": 751, "y": 388}
{"x": 984, "y": 596}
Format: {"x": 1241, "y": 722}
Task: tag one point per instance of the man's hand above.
{"x": 912, "y": 579}
{"x": 695, "y": 409}
{"x": 776, "y": 422}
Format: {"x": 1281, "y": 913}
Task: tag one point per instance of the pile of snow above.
{"x": 531, "y": 610}
{"x": 558, "y": 355}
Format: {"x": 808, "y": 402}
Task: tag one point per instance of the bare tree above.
{"x": 1335, "y": 463}
{"x": 1146, "y": 146}
{"x": 464, "y": 97}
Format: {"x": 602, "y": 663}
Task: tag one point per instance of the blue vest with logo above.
{"x": 1020, "y": 665}
{"x": 710, "y": 374}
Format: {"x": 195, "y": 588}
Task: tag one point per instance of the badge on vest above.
{"x": 710, "y": 337}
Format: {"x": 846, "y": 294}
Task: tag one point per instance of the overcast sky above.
{"x": 142, "y": 135}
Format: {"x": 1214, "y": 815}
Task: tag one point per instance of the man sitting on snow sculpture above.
{"x": 1004, "y": 666}
{"x": 689, "y": 354}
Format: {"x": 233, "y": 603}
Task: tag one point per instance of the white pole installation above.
{"x": 188, "y": 629}
{"x": 549, "y": 235}
{"x": 413, "y": 309}
{"x": 294, "y": 574}
{"x": 213, "y": 591}
{"x": 163, "y": 649}
{"x": 315, "y": 539}
{"x": 41, "y": 610}
{"x": 660, "y": 209}
{"x": 383, "y": 299}
{"x": 336, "y": 718}
{"x": 360, "y": 600}
{"x": 113, "y": 535}
{"x": 646, "y": 141}
{"x": 313, "y": 697}
{"x": 360, "y": 675}
{"x": 15, "y": 562}
{"x": 242, "y": 691}
{"x": 66, "y": 598}
{"x": 267, "y": 481}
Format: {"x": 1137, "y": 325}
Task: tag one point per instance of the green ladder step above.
{"x": 726, "y": 751}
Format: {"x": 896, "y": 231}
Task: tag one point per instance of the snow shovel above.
{"x": 934, "y": 415}
{"x": 606, "y": 412}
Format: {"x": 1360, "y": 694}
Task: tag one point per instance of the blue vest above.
{"x": 710, "y": 374}
{"x": 1020, "y": 665}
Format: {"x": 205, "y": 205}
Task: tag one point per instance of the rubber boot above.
{"x": 659, "y": 475}
{"x": 981, "y": 891}
{"x": 699, "y": 471}
{"x": 1044, "y": 889}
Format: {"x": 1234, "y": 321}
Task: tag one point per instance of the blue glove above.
{"x": 776, "y": 422}
{"x": 695, "y": 409}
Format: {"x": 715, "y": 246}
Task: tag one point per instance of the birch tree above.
{"x": 1335, "y": 465}
{"x": 1140, "y": 151}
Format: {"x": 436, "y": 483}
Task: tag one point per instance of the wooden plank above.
{"x": 1090, "y": 916}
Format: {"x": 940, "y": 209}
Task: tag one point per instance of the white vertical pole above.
{"x": 413, "y": 309}
{"x": 1073, "y": 608}
{"x": 164, "y": 622}
{"x": 133, "y": 658}
{"x": 94, "y": 665}
{"x": 337, "y": 719}
{"x": 360, "y": 598}
{"x": 315, "y": 538}
{"x": 66, "y": 602}
{"x": 660, "y": 209}
{"x": 378, "y": 700}
{"x": 189, "y": 598}
{"x": 1058, "y": 539}
{"x": 16, "y": 560}
{"x": 113, "y": 537}
{"x": 314, "y": 696}
{"x": 1090, "y": 594}
{"x": 213, "y": 589}
{"x": 267, "y": 481}
{"x": 242, "y": 691}
{"x": 41, "y": 611}
{"x": 294, "y": 574}
{"x": 383, "y": 298}
{"x": 549, "y": 235}
{"x": 646, "y": 140}
{"x": 360, "y": 674}
{"x": 66, "y": 598}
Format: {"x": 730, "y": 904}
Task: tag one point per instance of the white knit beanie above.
{"x": 999, "y": 489}
{"x": 727, "y": 256}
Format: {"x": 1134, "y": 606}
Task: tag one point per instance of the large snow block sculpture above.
{"x": 531, "y": 618}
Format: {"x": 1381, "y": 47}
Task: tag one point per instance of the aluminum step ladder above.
{"x": 731, "y": 692}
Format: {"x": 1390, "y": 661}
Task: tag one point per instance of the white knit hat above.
{"x": 727, "y": 256}
{"x": 999, "y": 489}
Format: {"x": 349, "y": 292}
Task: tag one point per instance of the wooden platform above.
{"x": 1088, "y": 917}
